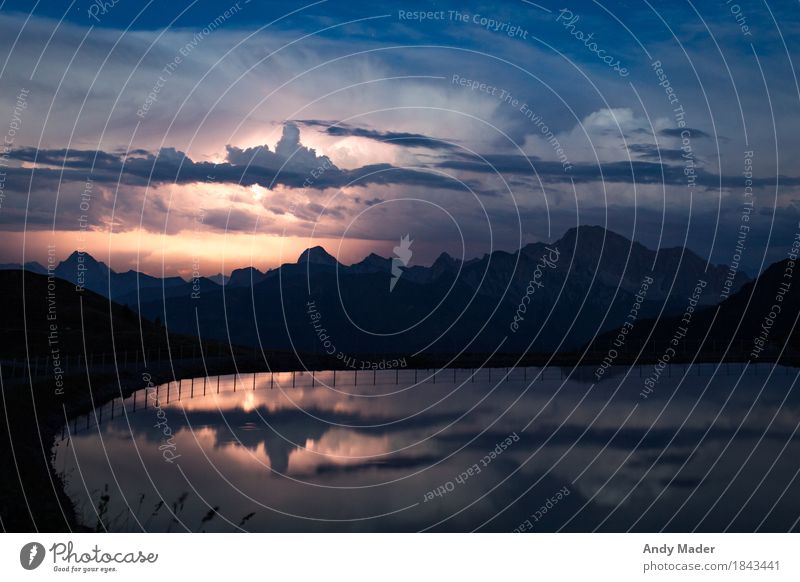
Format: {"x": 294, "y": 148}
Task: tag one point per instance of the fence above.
{"x": 170, "y": 392}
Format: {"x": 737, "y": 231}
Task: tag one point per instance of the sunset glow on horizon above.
{"x": 207, "y": 254}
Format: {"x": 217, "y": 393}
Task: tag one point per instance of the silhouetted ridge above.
{"x": 585, "y": 285}
{"x": 736, "y": 329}
{"x": 317, "y": 256}
{"x": 450, "y": 305}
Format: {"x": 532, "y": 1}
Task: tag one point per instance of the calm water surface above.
{"x": 710, "y": 449}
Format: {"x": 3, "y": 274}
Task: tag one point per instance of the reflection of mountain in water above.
{"x": 656, "y": 467}
{"x": 288, "y": 430}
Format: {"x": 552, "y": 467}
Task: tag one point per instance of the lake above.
{"x": 710, "y": 448}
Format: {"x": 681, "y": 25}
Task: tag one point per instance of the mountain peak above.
{"x": 244, "y": 277}
{"x": 445, "y": 256}
{"x": 78, "y": 256}
{"x": 596, "y": 237}
{"x": 317, "y": 256}
{"x": 372, "y": 263}
{"x": 81, "y": 261}
{"x": 445, "y": 261}
{"x": 588, "y": 231}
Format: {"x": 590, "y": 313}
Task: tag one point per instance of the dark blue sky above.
{"x": 501, "y": 124}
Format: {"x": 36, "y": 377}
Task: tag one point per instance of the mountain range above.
{"x": 758, "y": 323}
{"x": 543, "y": 297}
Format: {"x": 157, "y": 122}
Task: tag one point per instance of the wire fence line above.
{"x": 42, "y": 366}
{"x": 172, "y": 392}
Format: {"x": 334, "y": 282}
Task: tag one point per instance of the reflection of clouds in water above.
{"x": 593, "y": 477}
{"x": 249, "y": 459}
{"x": 236, "y": 445}
{"x": 336, "y": 447}
{"x": 249, "y": 402}
{"x": 364, "y": 400}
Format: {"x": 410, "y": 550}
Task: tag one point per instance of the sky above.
{"x": 184, "y": 136}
